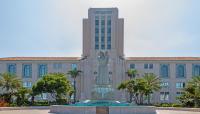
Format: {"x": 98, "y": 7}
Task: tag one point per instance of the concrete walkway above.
{"x": 38, "y": 111}
{"x": 175, "y": 112}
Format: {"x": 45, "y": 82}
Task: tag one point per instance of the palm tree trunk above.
{"x": 74, "y": 90}
{"x": 32, "y": 99}
{"x": 148, "y": 96}
{"x": 195, "y": 102}
{"x": 131, "y": 97}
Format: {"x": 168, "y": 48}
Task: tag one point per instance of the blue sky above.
{"x": 54, "y": 27}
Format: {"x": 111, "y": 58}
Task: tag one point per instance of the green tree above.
{"x": 74, "y": 73}
{"x": 129, "y": 87}
{"x": 132, "y": 73}
{"x": 191, "y": 94}
{"x": 34, "y": 91}
{"x": 140, "y": 87}
{"x": 9, "y": 84}
{"x": 22, "y": 96}
{"x": 135, "y": 88}
{"x": 152, "y": 83}
{"x": 56, "y": 84}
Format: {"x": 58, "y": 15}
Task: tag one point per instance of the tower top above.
{"x": 103, "y": 11}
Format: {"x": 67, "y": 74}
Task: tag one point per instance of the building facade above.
{"x": 103, "y": 63}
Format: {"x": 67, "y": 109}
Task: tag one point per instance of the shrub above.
{"x": 176, "y": 105}
{"x": 4, "y": 104}
{"x": 41, "y": 103}
{"x": 165, "y": 105}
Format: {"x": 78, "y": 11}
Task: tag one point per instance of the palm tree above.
{"x": 74, "y": 73}
{"x": 152, "y": 84}
{"x": 9, "y": 84}
{"x": 135, "y": 87}
{"x": 132, "y": 73}
{"x": 129, "y": 86}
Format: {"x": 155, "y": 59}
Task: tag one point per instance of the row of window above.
{"x": 102, "y": 30}
{"x": 179, "y": 85}
{"x": 42, "y": 69}
{"x": 164, "y": 96}
{"x": 165, "y": 69}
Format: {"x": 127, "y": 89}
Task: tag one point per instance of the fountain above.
{"x": 102, "y": 97}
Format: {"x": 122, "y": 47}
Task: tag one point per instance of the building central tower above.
{"x": 103, "y": 52}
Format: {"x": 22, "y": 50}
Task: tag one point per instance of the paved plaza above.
{"x": 37, "y": 111}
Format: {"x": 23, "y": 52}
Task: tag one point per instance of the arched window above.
{"x": 27, "y": 70}
{"x": 196, "y": 69}
{"x": 180, "y": 70}
{"x": 12, "y": 68}
{"x": 164, "y": 70}
{"x": 42, "y": 69}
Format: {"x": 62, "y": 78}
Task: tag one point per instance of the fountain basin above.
{"x": 102, "y": 107}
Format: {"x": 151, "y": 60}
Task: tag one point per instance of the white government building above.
{"x": 104, "y": 65}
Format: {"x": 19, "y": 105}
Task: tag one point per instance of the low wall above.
{"x": 132, "y": 110}
{"x": 25, "y": 108}
{"x": 60, "y": 109}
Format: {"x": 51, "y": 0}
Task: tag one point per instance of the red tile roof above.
{"x": 40, "y": 58}
{"x": 79, "y": 58}
{"x": 163, "y": 58}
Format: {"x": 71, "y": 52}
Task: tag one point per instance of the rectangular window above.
{"x": 102, "y": 40}
{"x": 11, "y": 68}
{"x": 102, "y": 46}
{"x": 132, "y": 66}
{"x": 109, "y": 29}
{"x": 73, "y": 66}
{"x": 145, "y": 66}
{"x": 97, "y": 31}
{"x": 179, "y": 93}
{"x": 180, "y": 85}
{"x": 164, "y": 96}
{"x": 96, "y": 22}
{"x": 150, "y": 66}
{"x": 42, "y": 68}
{"x": 27, "y": 70}
{"x": 109, "y": 46}
{"x": 27, "y": 84}
{"x": 96, "y": 46}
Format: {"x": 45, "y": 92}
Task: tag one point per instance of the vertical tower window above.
{"x": 11, "y": 68}
{"x": 27, "y": 70}
{"x": 109, "y": 32}
{"x": 42, "y": 68}
{"x": 103, "y": 32}
{"x": 96, "y": 32}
